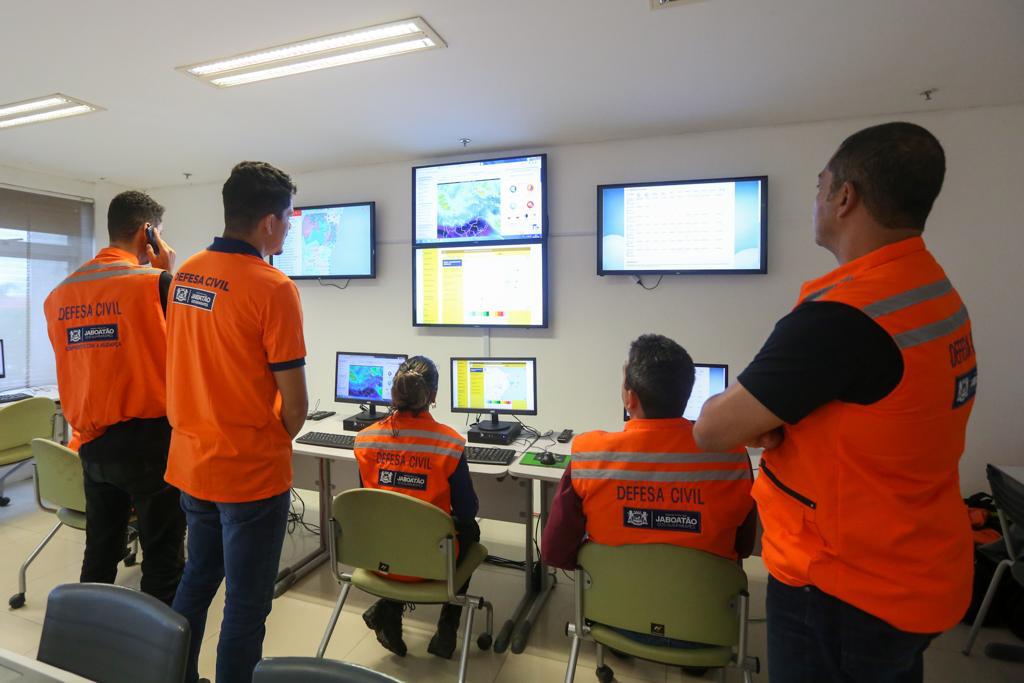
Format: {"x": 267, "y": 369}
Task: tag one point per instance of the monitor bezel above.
{"x": 545, "y": 314}
{"x": 362, "y": 401}
{"x": 476, "y": 411}
{"x": 3, "y": 361}
{"x": 625, "y": 415}
{"x": 373, "y": 243}
{"x": 761, "y": 270}
{"x": 524, "y": 240}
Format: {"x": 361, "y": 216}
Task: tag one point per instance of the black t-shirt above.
{"x": 165, "y": 286}
{"x": 822, "y": 352}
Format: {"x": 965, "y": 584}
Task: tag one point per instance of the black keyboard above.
{"x": 489, "y": 456}
{"x": 11, "y": 398}
{"x": 327, "y": 439}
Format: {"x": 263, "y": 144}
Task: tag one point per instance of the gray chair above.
{"x": 114, "y": 635}
{"x": 1008, "y": 494}
{"x": 315, "y": 670}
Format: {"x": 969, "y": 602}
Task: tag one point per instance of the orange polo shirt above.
{"x": 232, "y": 321}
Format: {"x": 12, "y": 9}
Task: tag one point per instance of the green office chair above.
{"x": 665, "y": 590}
{"x": 20, "y": 422}
{"x": 373, "y": 530}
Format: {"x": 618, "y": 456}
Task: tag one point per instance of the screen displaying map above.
{"x": 329, "y": 241}
{"x": 494, "y": 199}
{"x": 366, "y": 381}
{"x": 365, "y": 378}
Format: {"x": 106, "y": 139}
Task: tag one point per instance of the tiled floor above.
{"x": 298, "y": 619}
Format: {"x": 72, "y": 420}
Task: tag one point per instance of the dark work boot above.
{"x": 443, "y": 642}
{"x": 385, "y": 619}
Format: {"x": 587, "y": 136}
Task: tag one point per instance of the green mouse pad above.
{"x": 530, "y": 458}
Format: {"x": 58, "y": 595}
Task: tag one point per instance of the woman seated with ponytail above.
{"x": 434, "y": 470}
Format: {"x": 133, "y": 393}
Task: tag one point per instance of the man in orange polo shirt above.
{"x": 106, "y": 325}
{"x": 236, "y": 396}
{"x": 861, "y": 396}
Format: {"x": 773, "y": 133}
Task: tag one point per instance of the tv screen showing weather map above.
{"x": 692, "y": 226}
{"x": 365, "y": 378}
{"x": 334, "y": 241}
{"x": 478, "y": 201}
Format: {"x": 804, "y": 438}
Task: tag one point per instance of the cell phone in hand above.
{"x": 153, "y": 241}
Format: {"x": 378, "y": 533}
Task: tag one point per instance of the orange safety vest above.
{"x": 109, "y": 339}
{"x": 652, "y": 484}
{"x": 410, "y": 454}
{"x": 863, "y": 501}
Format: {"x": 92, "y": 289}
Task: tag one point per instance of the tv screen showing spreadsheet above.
{"x": 490, "y": 200}
{"x": 708, "y": 380}
{"x": 331, "y": 241}
{"x": 690, "y": 226}
{"x": 494, "y": 285}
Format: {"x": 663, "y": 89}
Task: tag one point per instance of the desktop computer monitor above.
{"x": 330, "y": 241}
{"x": 365, "y": 379}
{"x": 708, "y": 380}
{"x": 3, "y": 366}
{"x": 499, "y": 386}
{"x": 692, "y": 226}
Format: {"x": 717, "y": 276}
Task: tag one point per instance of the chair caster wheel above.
{"x": 605, "y": 674}
{"x": 484, "y": 641}
{"x": 130, "y": 560}
{"x": 17, "y": 601}
{"x": 4, "y": 501}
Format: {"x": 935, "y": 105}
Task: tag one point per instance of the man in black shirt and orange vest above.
{"x": 106, "y": 325}
{"x": 861, "y": 397}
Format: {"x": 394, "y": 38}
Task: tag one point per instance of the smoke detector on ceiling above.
{"x": 662, "y": 4}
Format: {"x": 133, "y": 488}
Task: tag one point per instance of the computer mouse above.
{"x": 546, "y": 458}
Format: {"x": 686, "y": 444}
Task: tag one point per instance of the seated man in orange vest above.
{"x": 645, "y": 484}
{"x": 438, "y": 474}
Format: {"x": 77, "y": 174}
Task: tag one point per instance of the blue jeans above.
{"x": 814, "y": 637}
{"x": 239, "y": 542}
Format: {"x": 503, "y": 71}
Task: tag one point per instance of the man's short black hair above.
{"x": 255, "y": 189}
{"x": 660, "y": 371}
{"x": 897, "y": 169}
{"x": 129, "y": 211}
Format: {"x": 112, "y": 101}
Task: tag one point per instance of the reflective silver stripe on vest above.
{"x": 97, "y": 266}
{"x": 909, "y": 298}
{"x": 634, "y": 475}
{"x": 655, "y": 458}
{"x": 413, "y": 433}
{"x": 413, "y": 447}
{"x": 110, "y": 273}
{"x": 824, "y": 290}
{"x": 932, "y": 331}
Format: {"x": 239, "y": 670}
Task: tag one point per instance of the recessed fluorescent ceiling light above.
{"x": 40, "y": 109}
{"x": 360, "y": 45}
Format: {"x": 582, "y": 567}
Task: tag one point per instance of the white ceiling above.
{"x": 518, "y": 73}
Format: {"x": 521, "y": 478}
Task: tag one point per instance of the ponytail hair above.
{"x": 414, "y": 386}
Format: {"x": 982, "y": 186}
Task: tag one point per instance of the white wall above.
{"x": 975, "y": 230}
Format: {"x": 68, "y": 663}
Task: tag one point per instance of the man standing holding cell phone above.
{"x": 106, "y": 324}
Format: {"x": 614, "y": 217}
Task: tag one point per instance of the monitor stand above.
{"x": 493, "y": 431}
{"x": 361, "y": 421}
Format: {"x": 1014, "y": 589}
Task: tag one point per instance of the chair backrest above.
{"x": 22, "y": 421}
{"x": 382, "y": 530}
{"x": 113, "y": 634}
{"x": 680, "y": 593}
{"x": 1008, "y": 493}
{"x": 59, "y": 477}
{"x": 315, "y": 670}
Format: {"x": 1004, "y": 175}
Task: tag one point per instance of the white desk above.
{"x": 15, "y": 668}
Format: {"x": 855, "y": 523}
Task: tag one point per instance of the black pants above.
{"x": 816, "y": 638}
{"x": 123, "y": 469}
